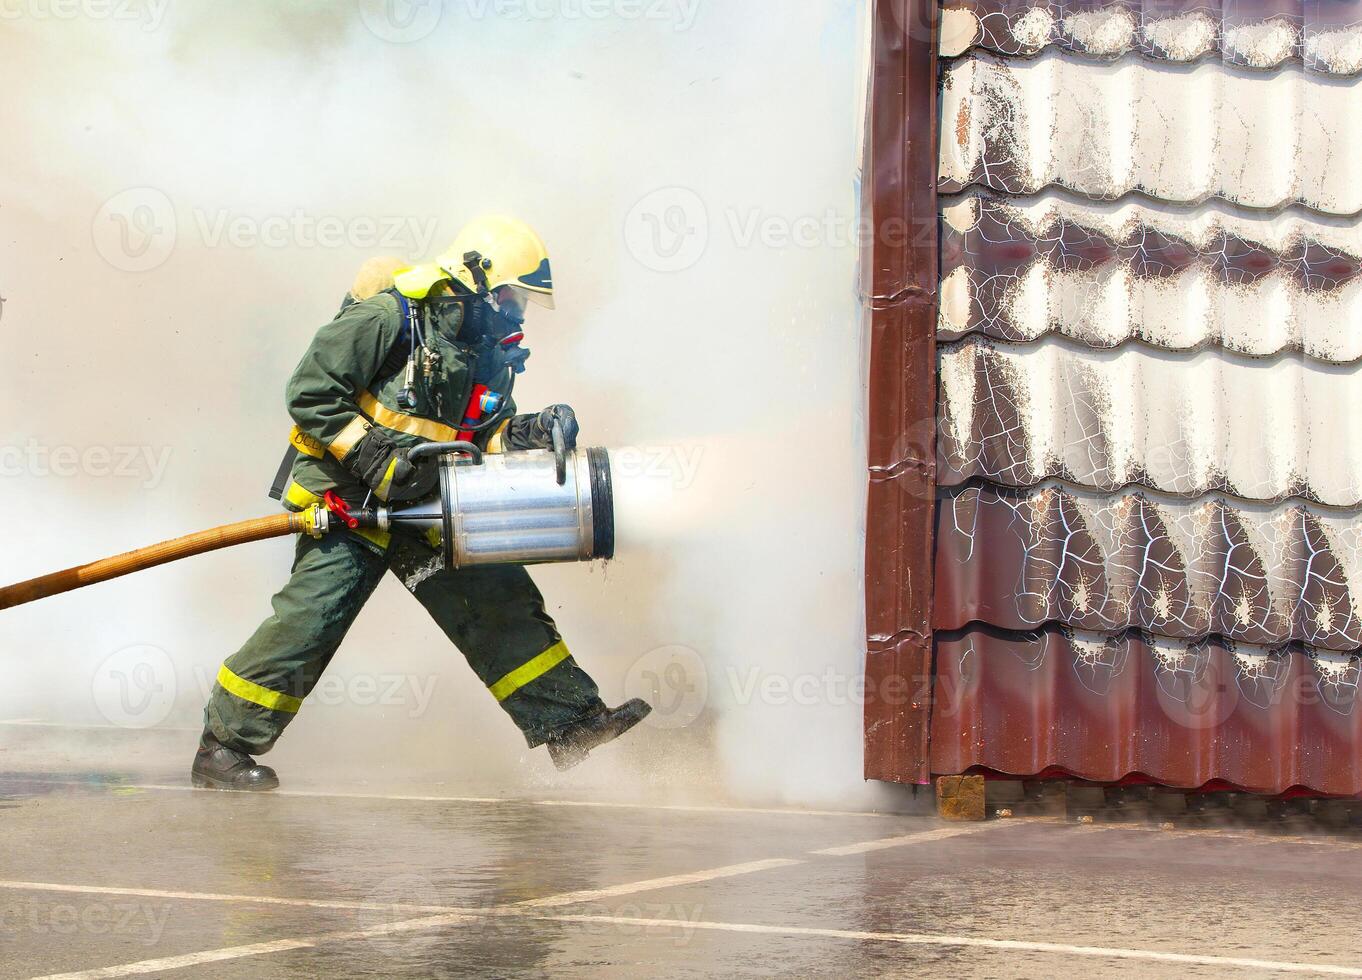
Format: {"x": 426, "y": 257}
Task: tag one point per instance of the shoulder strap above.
{"x": 285, "y": 471}
{"x": 413, "y": 326}
{"x": 413, "y": 315}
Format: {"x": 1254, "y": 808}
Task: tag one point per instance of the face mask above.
{"x": 495, "y": 336}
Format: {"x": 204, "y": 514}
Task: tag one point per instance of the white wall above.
{"x": 740, "y": 374}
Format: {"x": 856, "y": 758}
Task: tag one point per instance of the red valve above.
{"x": 341, "y": 509}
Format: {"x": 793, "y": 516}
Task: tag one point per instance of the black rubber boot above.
{"x": 569, "y": 747}
{"x": 218, "y": 767}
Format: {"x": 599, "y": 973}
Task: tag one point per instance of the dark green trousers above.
{"x": 494, "y": 615}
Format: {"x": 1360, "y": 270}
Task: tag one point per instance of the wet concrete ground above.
{"x": 102, "y": 878}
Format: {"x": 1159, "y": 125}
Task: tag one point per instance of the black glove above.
{"x": 536, "y": 431}
{"x": 388, "y": 471}
{"x": 413, "y": 480}
{"x": 543, "y": 426}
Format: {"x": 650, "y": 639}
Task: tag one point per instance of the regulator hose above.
{"x": 243, "y": 532}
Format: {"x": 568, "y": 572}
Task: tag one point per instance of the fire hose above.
{"x": 519, "y": 508}
{"x": 227, "y": 536}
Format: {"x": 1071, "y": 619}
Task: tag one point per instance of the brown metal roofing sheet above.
{"x": 903, "y": 272}
{"x": 1103, "y": 274}
{"x": 1264, "y": 575}
{"x": 1109, "y": 707}
{"x": 1184, "y": 424}
{"x": 1147, "y": 538}
{"x": 1184, "y": 135}
{"x": 1325, "y": 35}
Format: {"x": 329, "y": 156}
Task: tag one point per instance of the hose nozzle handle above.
{"x": 442, "y": 448}
{"x": 559, "y": 450}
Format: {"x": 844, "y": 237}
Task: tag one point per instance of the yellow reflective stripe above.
{"x": 531, "y": 671}
{"x": 494, "y": 444}
{"x": 300, "y": 496}
{"x": 254, "y": 693}
{"x": 386, "y": 484}
{"x": 356, "y": 430}
{"x": 305, "y": 444}
{"x": 409, "y": 424}
{"x": 380, "y": 538}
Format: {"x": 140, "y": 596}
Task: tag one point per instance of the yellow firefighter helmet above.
{"x": 500, "y": 250}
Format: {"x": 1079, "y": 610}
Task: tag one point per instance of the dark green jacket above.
{"x": 348, "y": 381}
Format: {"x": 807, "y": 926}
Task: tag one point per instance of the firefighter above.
{"x": 395, "y": 369}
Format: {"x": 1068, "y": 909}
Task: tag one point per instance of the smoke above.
{"x": 188, "y": 192}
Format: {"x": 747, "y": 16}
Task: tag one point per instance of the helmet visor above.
{"x": 539, "y": 284}
{"x": 537, "y": 298}
{"x": 515, "y": 300}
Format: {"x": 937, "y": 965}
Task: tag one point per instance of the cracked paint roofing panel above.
{"x": 1323, "y": 35}
{"x": 1184, "y": 424}
{"x": 1182, "y": 135}
{"x": 1149, "y": 525}
{"x": 1052, "y": 555}
{"x": 1103, "y": 274}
